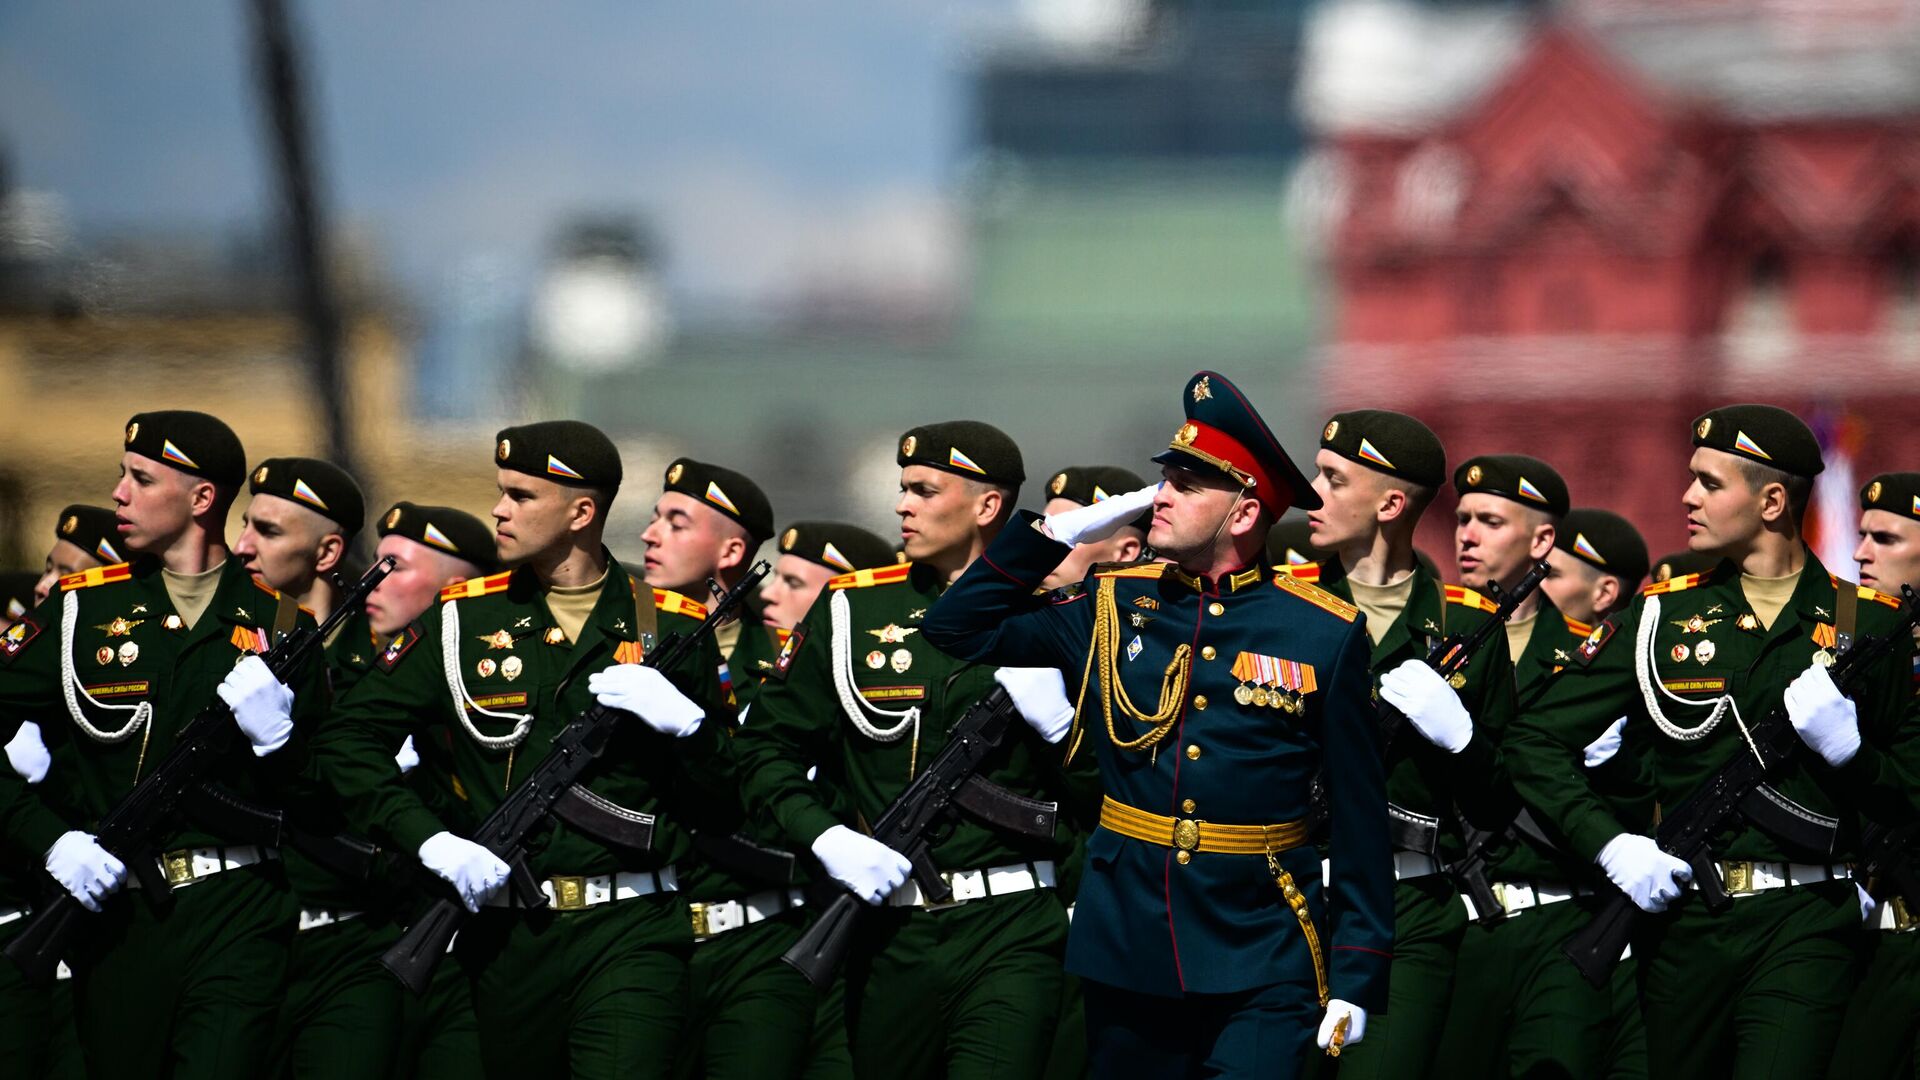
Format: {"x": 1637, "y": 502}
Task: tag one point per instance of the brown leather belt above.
{"x": 1188, "y": 834}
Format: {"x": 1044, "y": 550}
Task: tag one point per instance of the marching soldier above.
{"x": 125, "y": 655}
{"x": 707, "y": 523}
{"x": 301, "y": 520}
{"x": 86, "y": 537}
{"x": 970, "y": 987}
{"x": 1880, "y": 1037}
{"x": 1519, "y": 1008}
{"x": 1375, "y": 474}
{"x": 753, "y": 1016}
{"x": 1680, "y": 564}
{"x": 1757, "y": 990}
{"x": 593, "y": 981}
{"x": 1203, "y": 939}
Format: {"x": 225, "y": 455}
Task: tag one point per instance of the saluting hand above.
{"x": 1429, "y": 703}
{"x": 1092, "y": 524}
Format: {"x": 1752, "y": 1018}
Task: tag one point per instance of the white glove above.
{"x": 84, "y": 868}
{"x": 1823, "y": 717}
{"x": 1092, "y": 524}
{"x": 1429, "y": 703}
{"x": 27, "y": 754}
{"x": 407, "y": 757}
{"x": 1868, "y": 905}
{"x": 867, "y": 867}
{"x": 1041, "y": 695}
{"x": 1356, "y": 1023}
{"x": 1650, "y": 877}
{"x": 1601, "y": 750}
{"x": 473, "y": 871}
{"x": 647, "y": 694}
{"x": 262, "y": 705}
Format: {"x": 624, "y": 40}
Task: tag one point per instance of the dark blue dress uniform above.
{"x": 1252, "y": 684}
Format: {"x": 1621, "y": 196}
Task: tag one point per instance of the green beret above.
{"x": 964, "y": 448}
{"x": 727, "y": 491}
{"x": 1389, "y": 442}
{"x": 92, "y": 529}
{"x": 1605, "y": 541}
{"x": 1225, "y": 435}
{"x": 1089, "y": 484}
{"x": 1290, "y": 543}
{"x": 455, "y": 532}
{"x": 1763, "y": 433}
{"x": 1526, "y": 480}
{"x": 570, "y": 452}
{"x": 16, "y": 594}
{"x": 320, "y": 486}
{"x": 1682, "y": 563}
{"x": 836, "y": 545}
{"x": 1894, "y": 492}
{"x": 192, "y": 442}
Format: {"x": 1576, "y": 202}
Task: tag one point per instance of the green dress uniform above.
{"x": 593, "y": 983}
{"x": 1758, "y": 990}
{"x": 964, "y": 989}
{"x": 37, "y": 1034}
{"x": 1424, "y": 786}
{"x": 114, "y": 671}
{"x": 1203, "y": 936}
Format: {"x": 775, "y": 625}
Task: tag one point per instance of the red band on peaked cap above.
{"x": 1248, "y": 453}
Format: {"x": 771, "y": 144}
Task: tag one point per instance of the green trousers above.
{"x": 594, "y": 994}
{"x": 1520, "y": 1008}
{"x": 1627, "y": 1051}
{"x": 37, "y": 1036}
{"x": 828, "y": 1055}
{"x": 343, "y": 1014}
{"x": 1428, "y": 924}
{"x": 443, "y": 1038}
{"x": 1879, "y": 1036}
{"x": 1756, "y": 992}
{"x": 750, "y": 1016}
{"x": 964, "y": 992}
{"x": 1068, "y": 1058}
{"x": 191, "y": 992}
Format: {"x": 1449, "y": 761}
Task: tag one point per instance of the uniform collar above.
{"x": 1246, "y": 577}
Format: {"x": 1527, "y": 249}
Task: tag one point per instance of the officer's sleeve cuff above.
{"x": 1023, "y": 554}
{"x": 808, "y": 823}
{"x": 414, "y": 827}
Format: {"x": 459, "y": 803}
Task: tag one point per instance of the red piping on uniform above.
{"x": 1003, "y": 573}
{"x": 1179, "y": 736}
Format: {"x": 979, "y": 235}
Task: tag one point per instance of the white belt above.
{"x": 567, "y": 893}
{"x": 8, "y": 915}
{"x": 1742, "y": 878}
{"x": 976, "y": 884}
{"x": 712, "y": 919}
{"x": 1517, "y": 896}
{"x": 188, "y": 865}
{"x": 315, "y": 918}
{"x": 1406, "y": 866}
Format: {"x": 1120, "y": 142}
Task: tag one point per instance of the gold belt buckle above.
{"x": 1738, "y": 876}
{"x": 1186, "y": 834}
{"x": 698, "y": 912}
{"x": 178, "y": 866}
{"x": 1903, "y": 917}
{"x": 569, "y": 893}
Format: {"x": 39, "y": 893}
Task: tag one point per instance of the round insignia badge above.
{"x": 510, "y": 667}
{"x": 1700, "y": 430}
{"x": 1823, "y": 657}
{"x": 876, "y": 659}
{"x": 1059, "y": 483}
{"x": 675, "y": 472}
{"x": 1186, "y": 435}
{"x": 104, "y": 655}
{"x": 1873, "y": 492}
{"x": 1704, "y": 651}
{"x": 902, "y": 660}
{"x": 1457, "y": 680}
{"x": 1243, "y": 694}
{"x": 788, "y": 539}
{"x": 907, "y": 444}
{"x": 129, "y": 652}
{"x": 260, "y": 475}
{"x": 67, "y": 526}
{"x": 393, "y": 517}
{"x": 1473, "y": 474}
{"x": 133, "y": 430}
{"x": 486, "y": 668}
{"x": 1333, "y": 428}
{"x": 1679, "y": 653}
{"x": 506, "y": 447}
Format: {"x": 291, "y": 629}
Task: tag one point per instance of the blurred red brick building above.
{"x": 1584, "y": 231}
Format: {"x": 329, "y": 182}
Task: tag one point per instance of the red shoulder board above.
{"x": 402, "y": 643}
{"x": 481, "y": 586}
{"x": 860, "y": 579}
{"x": 677, "y": 604}
{"x": 1597, "y": 639}
{"x": 17, "y": 636}
{"x": 783, "y": 663}
{"x": 99, "y": 575}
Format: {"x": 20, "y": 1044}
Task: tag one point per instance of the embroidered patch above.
{"x": 1714, "y": 685}
{"x": 893, "y": 693}
{"x": 783, "y": 663}
{"x": 1596, "y": 641}
{"x": 119, "y": 689}
{"x": 499, "y": 701}
{"x": 398, "y": 647}
{"x": 17, "y": 637}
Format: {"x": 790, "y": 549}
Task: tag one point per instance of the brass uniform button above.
{"x": 1187, "y": 807}
{"x": 1193, "y": 752}
{"x": 1216, "y": 608}
{"x": 1207, "y": 652}
{"x": 1200, "y": 702}
{"x": 1183, "y": 857}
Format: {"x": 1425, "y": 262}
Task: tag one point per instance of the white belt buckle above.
{"x": 969, "y": 885}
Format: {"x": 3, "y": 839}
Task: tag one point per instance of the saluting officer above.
{"x": 592, "y": 982}
{"x": 1757, "y": 990}
{"x": 1880, "y": 1037}
{"x": 1375, "y": 474}
{"x": 122, "y": 657}
{"x": 970, "y": 987}
{"x": 1211, "y": 693}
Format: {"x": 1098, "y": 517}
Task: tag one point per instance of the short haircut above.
{"x": 1799, "y": 488}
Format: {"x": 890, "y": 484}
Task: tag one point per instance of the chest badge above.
{"x": 1274, "y": 683}
{"x": 1138, "y": 620}
{"x": 893, "y": 633}
{"x": 1694, "y": 624}
{"x": 174, "y": 622}
{"x": 119, "y": 627}
{"x": 1748, "y": 622}
{"x": 139, "y": 609}
{"x": 129, "y": 652}
{"x": 1431, "y": 627}
{"x": 511, "y": 668}
{"x": 1680, "y": 653}
{"x": 555, "y": 636}
{"x": 917, "y": 614}
{"x": 901, "y": 661}
{"x": 486, "y": 667}
{"x": 1823, "y": 657}
{"x": 1149, "y": 603}
{"x": 876, "y": 659}
{"x": 241, "y": 614}
{"x": 1134, "y": 647}
{"x": 499, "y": 639}
{"x": 1704, "y": 652}
{"x": 524, "y": 622}
{"x": 104, "y": 655}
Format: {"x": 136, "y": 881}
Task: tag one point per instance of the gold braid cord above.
{"x": 1104, "y": 651}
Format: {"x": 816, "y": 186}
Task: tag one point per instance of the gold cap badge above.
{"x": 674, "y": 473}
{"x": 260, "y": 475}
{"x": 907, "y": 444}
{"x": 506, "y": 447}
{"x": 393, "y": 517}
{"x": 133, "y": 430}
{"x": 1700, "y": 430}
{"x": 788, "y": 539}
{"x": 1203, "y": 389}
{"x": 1473, "y": 474}
{"x": 1873, "y": 494}
{"x": 1059, "y": 483}
{"x": 67, "y": 526}
{"x": 1186, "y": 435}
{"x": 1333, "y": 428}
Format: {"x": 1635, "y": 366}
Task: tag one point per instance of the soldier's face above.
{"x": 284, "y": 544}
{"x": 689, "y": 542}
{"x": 1122, "y": 546}
{"x": 1495, "y": 539}
{"x": 1188, "y": 512}
{"x": 154, "y": 502}
{"x": 791, "y": 589}
{"x": 1573, "y": 586}
{"x": 1723, "y": 510}
{"x": 535, "y": 515}
{"x": 66, "y": 557}
{"x": 1889, "y": 551}
{"x": 419, "y": 573}
{"x": 1350, "y": 502}
{"x": 939, "y": 512}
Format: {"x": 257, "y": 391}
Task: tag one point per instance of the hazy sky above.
{"x": 754, "y": 132}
